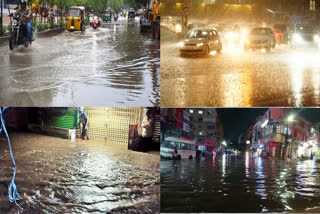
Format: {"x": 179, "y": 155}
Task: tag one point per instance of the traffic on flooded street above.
{"x": 239, "y": 55}
{"x": 114, "y": 63}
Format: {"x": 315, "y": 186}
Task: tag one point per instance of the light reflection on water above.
{"x": 240, "y": 184}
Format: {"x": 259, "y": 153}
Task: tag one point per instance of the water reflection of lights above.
{"x": 297, "y": 78}
{"x": 283, "y": 192}
{"x": 260, "y": 189}
{"x": 223, "y": 165}
{"x": 306, "y": 180}
{"x": 299, "y": 62}
{"x": 247, "y": 156}
{"x": 235, "y": 92}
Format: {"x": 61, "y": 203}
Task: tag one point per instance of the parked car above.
{"x": 260, "y": 38}
{"x": 201, "y": 41}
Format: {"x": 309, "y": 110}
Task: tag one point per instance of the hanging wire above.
{"x": 12, "y": 189}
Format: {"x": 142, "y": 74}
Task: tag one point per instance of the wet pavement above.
{"x": 240, "y": 184}
{"x": 59, "y": 176}
{"x": 114, "y": 65}
{"x": 283, "y": 77}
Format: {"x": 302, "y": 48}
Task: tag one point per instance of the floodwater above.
{"x": 234, "y": 78}
{"x": 240, "y": 184}
{"x": 114, "y": 65}
{"x": 59, "y": 176}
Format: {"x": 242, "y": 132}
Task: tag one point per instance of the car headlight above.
{"x": 316, "y": 38}
{"x": 200, "y": 44}
{"x": 297, "y": 38}
{"x": 181, "y": 44}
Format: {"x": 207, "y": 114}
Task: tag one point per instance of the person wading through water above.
{"x": 84, "y": 120}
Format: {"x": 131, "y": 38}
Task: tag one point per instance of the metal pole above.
{"x": 1, "y": 21}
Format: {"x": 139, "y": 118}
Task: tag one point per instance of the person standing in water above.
{"x": 84, "y": 120}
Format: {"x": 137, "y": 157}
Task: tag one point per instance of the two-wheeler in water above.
{"x": 18, "y": 34}
{"x": 95, "y": 22}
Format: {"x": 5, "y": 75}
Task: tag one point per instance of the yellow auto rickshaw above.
{"x": 75, "y": 20}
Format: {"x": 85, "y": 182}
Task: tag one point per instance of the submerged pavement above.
{"x": 59, "y": 176}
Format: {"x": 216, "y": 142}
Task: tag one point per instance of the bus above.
{"x": 185, "y": 148}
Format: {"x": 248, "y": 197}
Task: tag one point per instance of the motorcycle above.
{"x": 18, "y": 34}
{"x": 115, "y": 17}
{"x": 91, "y": 19}
{"x": 95, "y": 22}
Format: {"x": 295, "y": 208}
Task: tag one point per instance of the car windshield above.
{"x": 198, "y": 34}
{"x": 74, "y": 12}
{"x": 304, "y": 29}
{"x": 260, "y": 31}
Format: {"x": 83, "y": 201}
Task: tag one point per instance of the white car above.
{"x": 200, "y": 41}
{"x": 260, "y": 38}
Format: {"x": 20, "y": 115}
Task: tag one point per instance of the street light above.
{"x": 224, "y": 143}
{"x": 291, "y": 118}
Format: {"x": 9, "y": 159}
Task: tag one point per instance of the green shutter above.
{"x": 66, "y": 121}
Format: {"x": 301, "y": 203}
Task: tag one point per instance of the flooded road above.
{"x": 59, "y": 176}
{"x": 114, "y": 65}
{"x": 283, "y": 77}
{"x": 240, "y": 184}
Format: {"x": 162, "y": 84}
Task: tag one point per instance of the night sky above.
{"x": 237, "y": 120}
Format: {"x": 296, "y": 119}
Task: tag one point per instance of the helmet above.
{"x": 81, "y": 109}
{"x": 23, "y": 1}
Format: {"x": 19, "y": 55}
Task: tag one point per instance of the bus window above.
{"x": 184, "y": 146}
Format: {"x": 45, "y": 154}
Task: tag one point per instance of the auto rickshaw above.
{"x": 131, "y": 14}
{"x": 75, "y": 20}
{"x": 107, "y": 16}
{"x": 124, "y": 13}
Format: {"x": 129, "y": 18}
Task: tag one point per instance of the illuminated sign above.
{"x": 273, "y": 144}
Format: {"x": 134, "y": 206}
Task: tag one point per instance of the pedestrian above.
{"x": 175, "y": 154}
{"x": 84, "y": 120}
{"x": 198, "y": 153}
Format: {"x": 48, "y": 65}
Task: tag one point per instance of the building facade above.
{"x": 281, "y": 132}
{"x": 200, "y": 125}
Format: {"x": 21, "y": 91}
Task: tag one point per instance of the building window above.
{"x": 191, "y": 111}
{"x": 200, "y": 112}
{"x": 313, "y": 5}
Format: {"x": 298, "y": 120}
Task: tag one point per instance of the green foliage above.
{"x": 51, "y": 25}
{"x": 9, "y": 28}
{"x": 3, "y": 30}
{"x": 94, "y": 4}
{"x": 41, "y": 27}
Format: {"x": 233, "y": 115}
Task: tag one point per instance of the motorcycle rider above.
{"x": 25, "y": 16}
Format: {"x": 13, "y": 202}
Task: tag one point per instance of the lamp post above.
{"x": 1, "y": 21}
{"x": 289, "y": 120}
